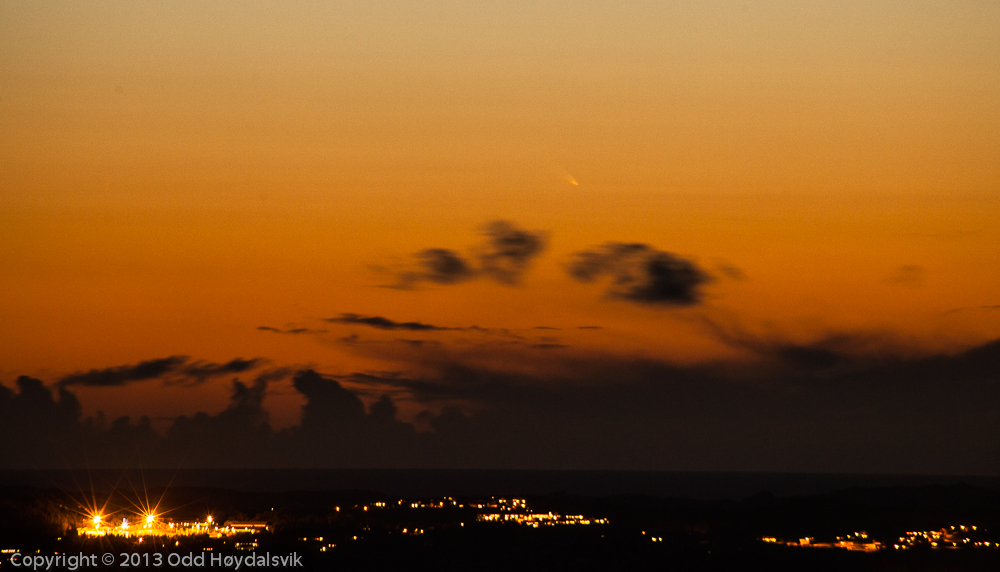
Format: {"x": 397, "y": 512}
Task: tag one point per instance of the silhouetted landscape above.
{"x": 906, "y": 527}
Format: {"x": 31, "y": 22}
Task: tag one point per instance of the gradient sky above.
{"x": 175, "y": 176}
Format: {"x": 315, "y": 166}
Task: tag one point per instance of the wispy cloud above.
{"x": 907, "y": 275}
{"x": 382, "y": 323}
{"x": 125, "y": 374}
{"x": 967, "y": 308}
{"x": 290, "y": 330}
{"x": 731, "y": 271}
{"x": 173, "y": 369}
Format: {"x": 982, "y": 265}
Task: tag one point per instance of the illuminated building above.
{"x": 151, "y": 525}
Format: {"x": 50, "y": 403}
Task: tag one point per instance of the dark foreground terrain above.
{"x": 953, "y": 527}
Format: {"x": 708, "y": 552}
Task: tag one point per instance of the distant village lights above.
{"x": 152, "y": 525}
{"x": 952, "y": 538}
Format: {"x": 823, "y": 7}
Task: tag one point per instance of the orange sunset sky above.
{"x": 176, "y": 175}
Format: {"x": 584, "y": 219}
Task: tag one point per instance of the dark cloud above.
{"x": 229, "y": 438}
{"x": 443, "y": 266}
{"x": 33, "y": 425}
{"x": 504, "y": 256}
{"x": 509, "y": 251}
{"x": 273, "y": 374}
{"x": 814, "y": 407}
{"x": 290, "y": 330}
{"x": 833, "y": 353}
{"x": 640, "y": 273}
{"x": 418, "y": 343}
{"x": 122, "y": 375}
{"x": 174, "y": 369}
{"x": 422, "y": 390}
{"x": 437, "y": 265}
{"x": 328, "y": 404}
{"x": 841, "y": 404}
{"x": 200, "y": 371}
{"x": 813, "y": 357}
{"x": 385, "y": 323}
{"x": 335, "y": 423}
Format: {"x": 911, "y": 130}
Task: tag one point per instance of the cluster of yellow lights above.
{"x": 945, "y": 538}
{"x": 447, "y": 502}
{"x": 501, "y": 504}
{"x": 146, "y": 525}
{"x": 535, "y": 520}
{"x": 517, "y": 511}
{"x": 854, "y": 542}
{"x": 508, "y": 510}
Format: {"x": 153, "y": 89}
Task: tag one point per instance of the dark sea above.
{"x": 435, "y": 483}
